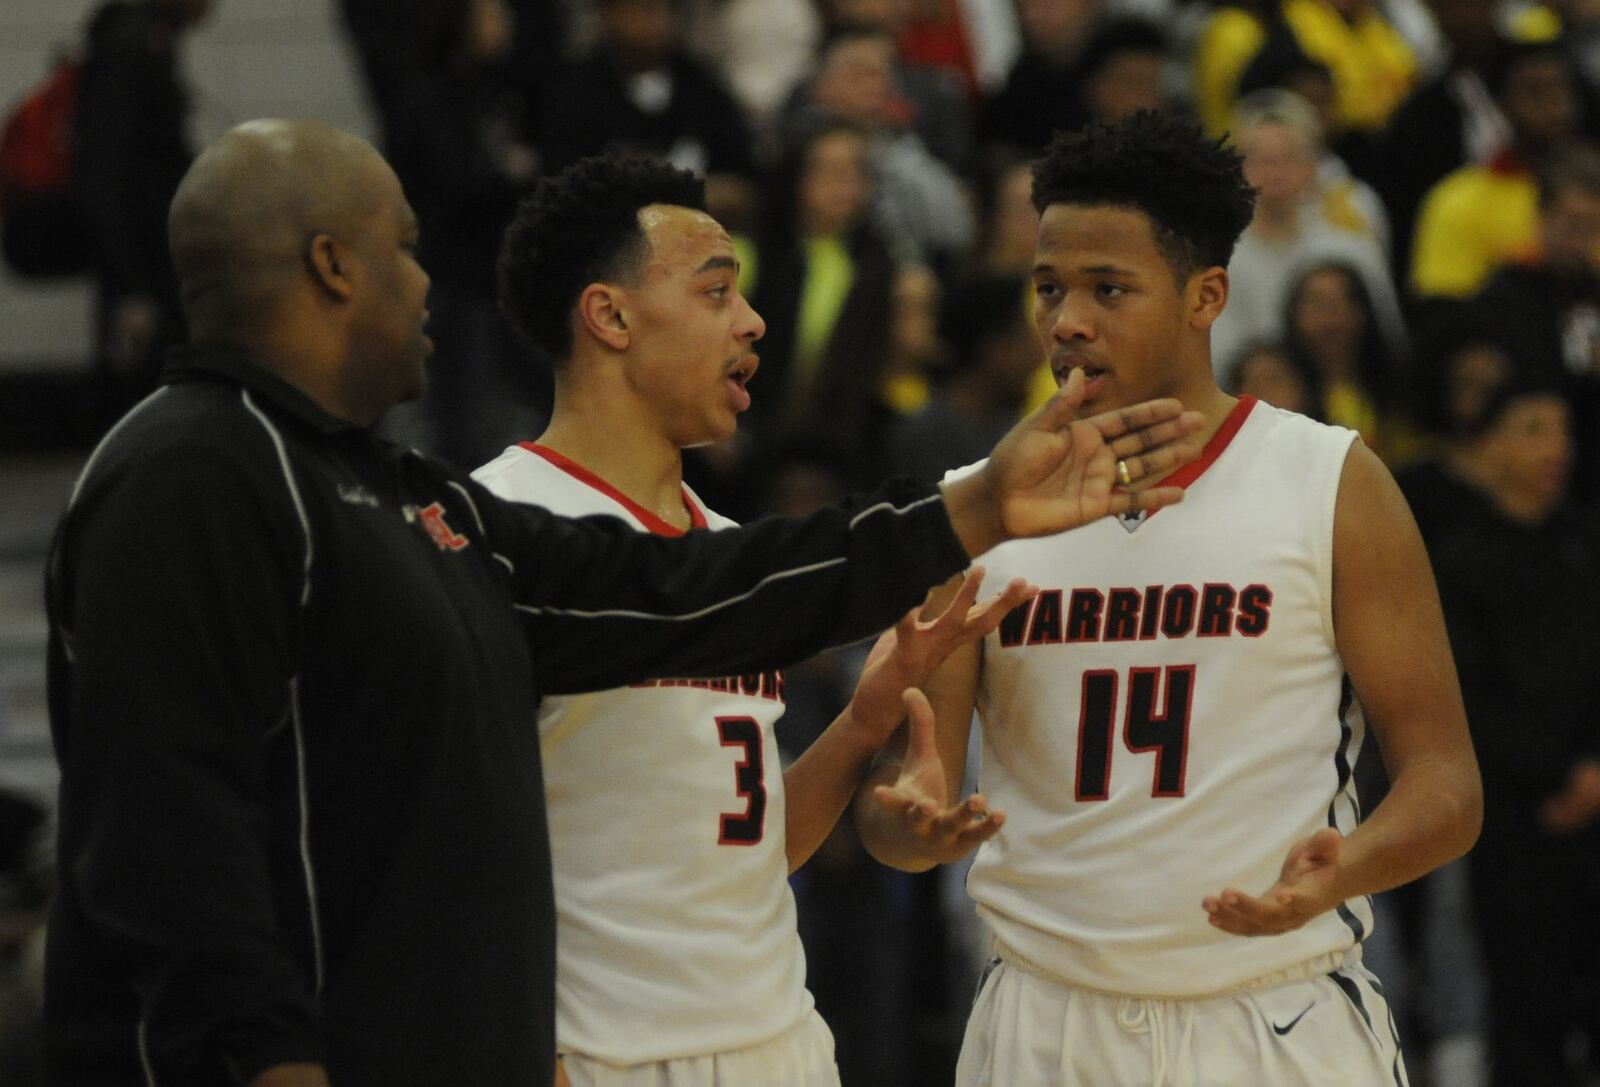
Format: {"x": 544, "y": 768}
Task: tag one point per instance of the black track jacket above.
{"x": 294, "y": 675}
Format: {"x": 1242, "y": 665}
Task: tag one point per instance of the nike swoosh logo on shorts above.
{"x": 1287, "y": 1027}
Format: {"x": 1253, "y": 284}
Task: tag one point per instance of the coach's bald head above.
{"x": 248, "y": 207}
{"x": 295, "y": 238}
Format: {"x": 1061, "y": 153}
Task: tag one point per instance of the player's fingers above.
{"x": 1235, "y": 923}
{"x": 923, "y": 818}
{"x": 1275, "y": 912}
{"x": 962, "y": 602}
{"x": 983, "y": 618}
{"x": 1155, "y": 463}
{"x": 976, "y": 833}
{"x": 920, "y": 744}
{"x": 1240, "y": 913}
{"x": 1062, "y": 408}
{"x": 1138, "y": 417}
{"x": 950, "y": 823}
{"x": 1325, "y": 845}
{"x": 893, "y": 801}
{"x": 1167, "y": 434}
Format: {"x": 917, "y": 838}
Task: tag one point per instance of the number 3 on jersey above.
{"x": 1166, "y": 733}
{"x": 744, "y": 828}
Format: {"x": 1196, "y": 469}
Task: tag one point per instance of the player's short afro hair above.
{"x": 1192, "y": 188}
{"x": 577, "y": 228}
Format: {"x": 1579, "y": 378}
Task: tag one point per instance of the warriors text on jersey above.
{"x": 1168, "y": 717}
{"x": 675, "y": 925}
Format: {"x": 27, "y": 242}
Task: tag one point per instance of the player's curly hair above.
{"x": 1192, "y": 188}
{"x": 579, "y": 227}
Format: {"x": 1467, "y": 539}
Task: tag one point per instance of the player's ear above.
{"x": 1205, "y": 296}
{"x": 601, "y": 313}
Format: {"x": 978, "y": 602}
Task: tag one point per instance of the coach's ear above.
{"x": 600, "y": 315}
{"x": 332, "y": 266}
{"x": 1204, "y": 297}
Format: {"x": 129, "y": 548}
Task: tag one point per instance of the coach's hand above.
{"x": 918, "y": 798}
{"x": 1054, "y": 471}
{"x": 1307, "y": 886}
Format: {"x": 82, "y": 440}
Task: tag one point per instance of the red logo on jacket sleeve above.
{"x": 438, "y": 530}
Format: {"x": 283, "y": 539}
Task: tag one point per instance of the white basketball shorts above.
{"x": 802, "y": 1057}
{"x": 1325, "y": 1030}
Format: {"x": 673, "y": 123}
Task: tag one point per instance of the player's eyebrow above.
{"x": 1044, "y": 268}
{"x": 718, "y": 262}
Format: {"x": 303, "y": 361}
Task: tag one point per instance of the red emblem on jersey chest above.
{"x": 438, "y": 530}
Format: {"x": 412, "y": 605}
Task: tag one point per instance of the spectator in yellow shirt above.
{"x": 1480, "y": 217}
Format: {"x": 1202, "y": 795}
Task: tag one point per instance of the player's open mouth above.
{"x": 738, "y": 377}
{"x": 744, "y": 370}
{"x": 1092, "y": 375}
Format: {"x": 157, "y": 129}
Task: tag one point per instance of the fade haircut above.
{"x": 1192, "y": 188}
{"x": 581, "y": 227}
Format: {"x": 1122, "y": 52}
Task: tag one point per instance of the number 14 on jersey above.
{"x": 1145, "y": 728}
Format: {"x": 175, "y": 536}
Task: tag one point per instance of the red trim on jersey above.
{"x": 1192, "y": 471}
{"x": 652, "y": 522}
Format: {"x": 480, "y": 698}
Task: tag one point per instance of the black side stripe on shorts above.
{"x": 1399, "y": 1076}
{"x": 1352, "y": 990}
{"x": 1353, "y": 993}
{"x": 1394, "y": 1031}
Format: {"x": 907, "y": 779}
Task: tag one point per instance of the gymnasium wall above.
{"x": 251, "y": 58}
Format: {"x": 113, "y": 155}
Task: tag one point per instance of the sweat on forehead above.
{"x": 680, "y": 238}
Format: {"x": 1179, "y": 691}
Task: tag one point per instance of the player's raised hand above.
{"x": 907, "y": 654}
{"x": 1054, "y": 471}
{"x": 919, "y": 800}
{"x": 1307, "y": 886}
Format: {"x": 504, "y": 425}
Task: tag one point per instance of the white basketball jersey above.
{"x": 1168, "y": 717}
{"x": 675, "y": 925}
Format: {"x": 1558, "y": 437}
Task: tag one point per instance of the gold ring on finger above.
{"x": 1122, "y": 473}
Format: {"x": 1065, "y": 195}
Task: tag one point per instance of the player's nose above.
{"x": 751, "y": 326}
{"x": 1074, "y": 320}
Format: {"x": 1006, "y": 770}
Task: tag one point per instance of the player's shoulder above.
{"x": 519, "y": 474}
{"x": 1286, "y": 454}
{"x": 1290, "y": 429}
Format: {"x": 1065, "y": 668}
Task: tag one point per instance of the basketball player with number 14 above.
{"x": 1178, "y": 892}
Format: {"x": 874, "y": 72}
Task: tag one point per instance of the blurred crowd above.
{"x": 1423, "y": 267}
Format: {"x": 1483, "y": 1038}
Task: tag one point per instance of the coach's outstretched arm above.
{"x": 605, "y": 605}
{"x": 1053, "y": 471}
